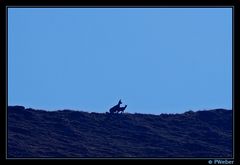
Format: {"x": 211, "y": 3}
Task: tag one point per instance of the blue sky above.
{"x": 157, "y": 60}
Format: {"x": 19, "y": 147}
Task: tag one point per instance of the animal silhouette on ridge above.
{"x": 117, "y": 108}
{"x": 121, "y": 109}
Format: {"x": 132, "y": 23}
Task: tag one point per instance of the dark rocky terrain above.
{"x": 68, "y": 134}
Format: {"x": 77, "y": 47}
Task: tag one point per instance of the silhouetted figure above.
{"x": 121, "y": 109}
{"x": 116, "y": 107}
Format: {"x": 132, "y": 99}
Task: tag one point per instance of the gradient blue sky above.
{"x": 157, "y": 60}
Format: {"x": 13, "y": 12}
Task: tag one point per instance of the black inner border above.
{"x": 4, "y": 4}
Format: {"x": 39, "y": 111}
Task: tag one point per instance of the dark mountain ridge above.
{"x": 66, "y": 133}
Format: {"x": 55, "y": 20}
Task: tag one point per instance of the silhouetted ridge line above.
{"x": 67, "y": 133}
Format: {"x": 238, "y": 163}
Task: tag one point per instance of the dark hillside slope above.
{"x": 37, "y": 133}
